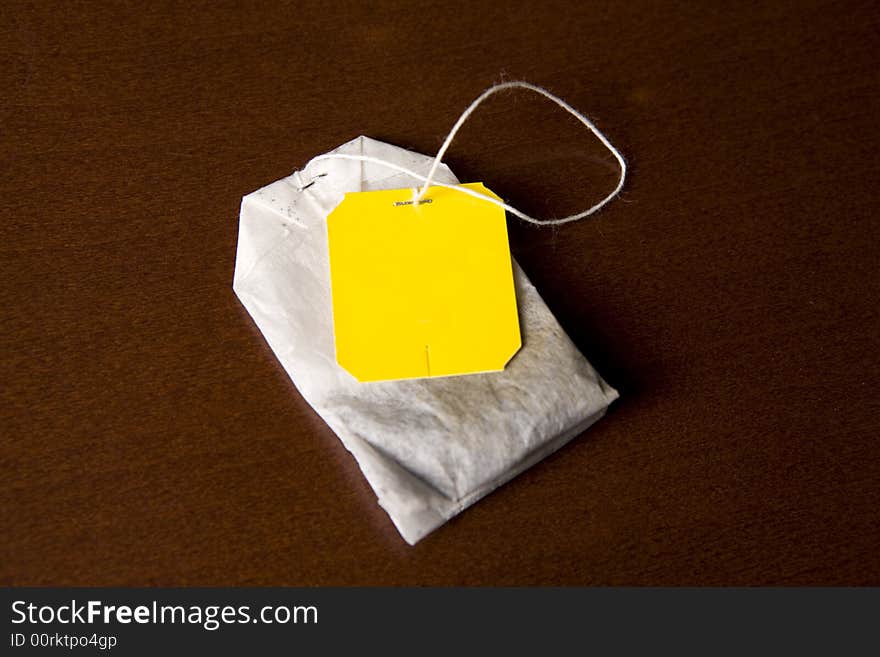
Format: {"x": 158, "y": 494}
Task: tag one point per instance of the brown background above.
{"x": 150, "y": 437}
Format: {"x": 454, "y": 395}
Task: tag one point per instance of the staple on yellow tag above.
{"x": 421, "y": 290}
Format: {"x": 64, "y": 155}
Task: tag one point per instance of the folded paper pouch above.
{"x": 428, "y": 447}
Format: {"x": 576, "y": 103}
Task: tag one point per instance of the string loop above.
{"x": 429, "y": 179}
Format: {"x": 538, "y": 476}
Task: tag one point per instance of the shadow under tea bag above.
{"x": 428, "y": 447}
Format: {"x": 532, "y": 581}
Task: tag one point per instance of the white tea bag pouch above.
{"x": 429, "y": 447}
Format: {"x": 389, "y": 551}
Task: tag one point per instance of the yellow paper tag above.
{"x": 421, "y": 290}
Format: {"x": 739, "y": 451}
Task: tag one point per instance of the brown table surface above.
{"x": 150, "y": 437}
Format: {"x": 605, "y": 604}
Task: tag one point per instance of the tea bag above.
{"x": 428, "y": 447}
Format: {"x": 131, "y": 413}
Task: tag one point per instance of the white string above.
{"x": 429, "y": 179}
